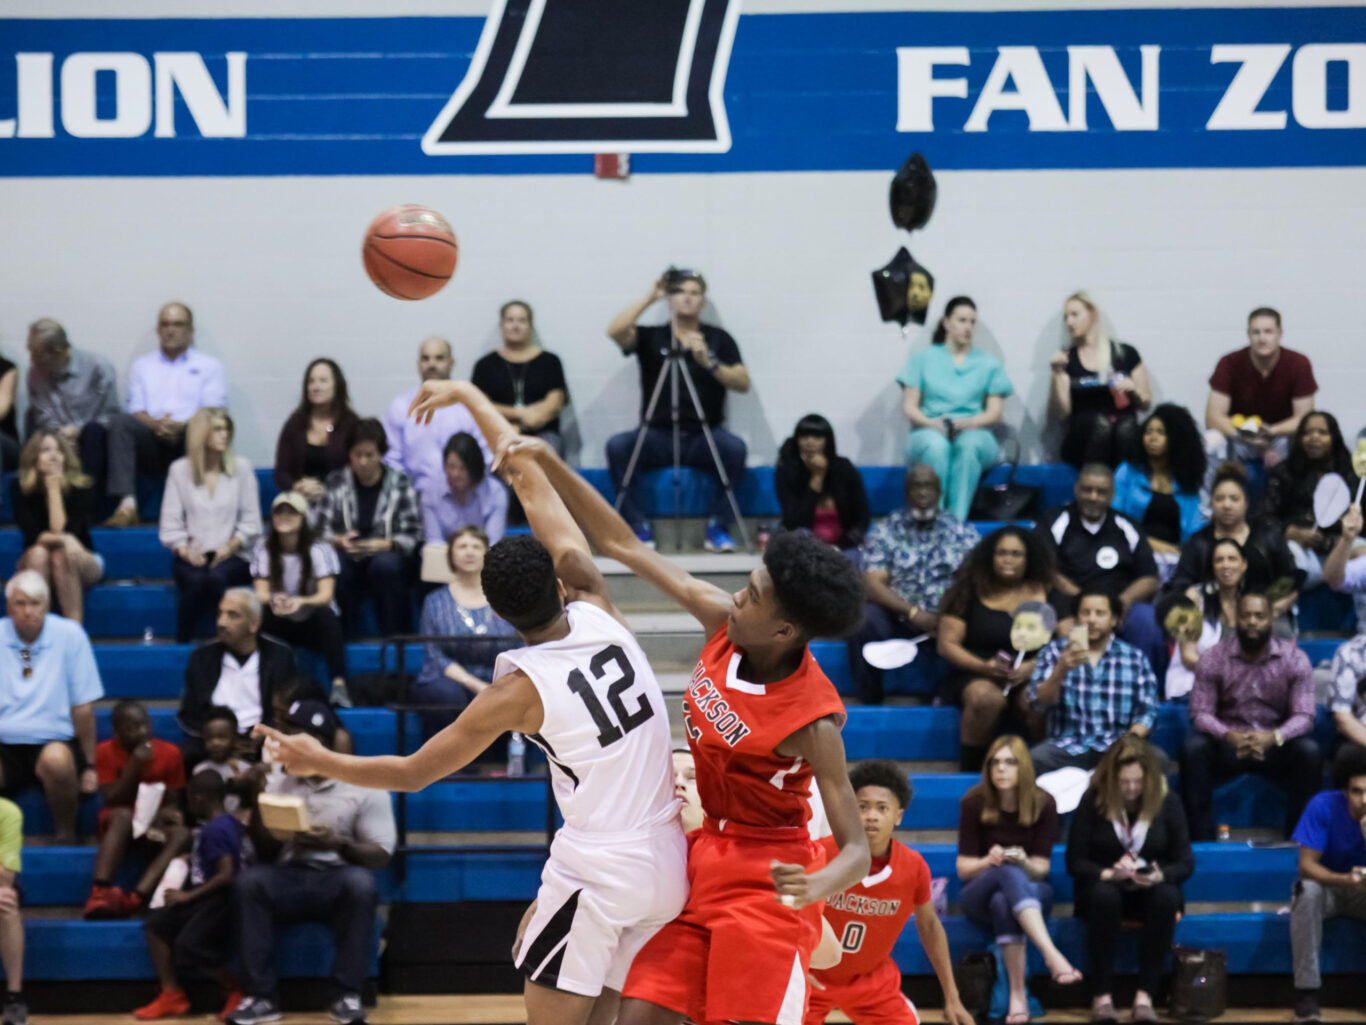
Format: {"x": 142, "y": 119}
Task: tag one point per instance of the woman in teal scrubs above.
{"x": 951, "y": 393}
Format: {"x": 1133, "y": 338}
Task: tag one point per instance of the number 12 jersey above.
{"x": 605, "y": 731}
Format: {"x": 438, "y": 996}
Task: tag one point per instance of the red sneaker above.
{"x": 105, "y": 902}
{"x": 169, "y": 1003}
{"x": 133, "y": 904}
{"x": 230, "y": 1004}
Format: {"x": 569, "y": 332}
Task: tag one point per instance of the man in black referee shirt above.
{"x": 1097, "y": 547}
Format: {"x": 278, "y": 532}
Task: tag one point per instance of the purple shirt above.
{"x": 1235, "y": 692}
{"x": 416, "y": 448}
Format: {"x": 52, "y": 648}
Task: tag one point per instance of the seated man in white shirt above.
{"x": 242, "y": 670}
{"x": 165, "y": 388}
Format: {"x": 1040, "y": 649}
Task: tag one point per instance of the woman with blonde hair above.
{"x": 1007, "y": 826}
{"x": 52, "y": 502}
{"x": 1128, "y": 853}
{"x": 1099, "y": 387}
{"x": 210, "y": 512}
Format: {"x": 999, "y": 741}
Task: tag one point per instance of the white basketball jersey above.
{"x": 606, "y": 729}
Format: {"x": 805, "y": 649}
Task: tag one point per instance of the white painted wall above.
{"x": 271, "y": 267}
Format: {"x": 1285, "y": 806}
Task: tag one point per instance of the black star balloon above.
{"x": 913, "y": 193}
{"x": 904, "y": 289}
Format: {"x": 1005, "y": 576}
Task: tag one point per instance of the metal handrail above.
{"x": 400, "y": 643}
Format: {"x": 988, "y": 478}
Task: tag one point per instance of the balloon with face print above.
{"x": 904, "y": 289}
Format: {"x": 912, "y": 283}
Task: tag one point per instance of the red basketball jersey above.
{"x": 869, "y": 916}
{"x": 733, "y": 727}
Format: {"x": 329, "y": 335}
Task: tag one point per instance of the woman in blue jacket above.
{"x": 1158, "y": 487}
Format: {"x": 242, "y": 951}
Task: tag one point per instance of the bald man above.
{"x": 908, "y": 563}
{"x": 416, "y": 448}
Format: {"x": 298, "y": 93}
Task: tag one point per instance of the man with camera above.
{"x": 712, "y": 360}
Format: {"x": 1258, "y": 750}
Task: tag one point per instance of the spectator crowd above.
{"x": 1174, "y": 573}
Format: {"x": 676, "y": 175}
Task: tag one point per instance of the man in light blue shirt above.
{"x": 416, "y": 448}
{"x": 165, "y": 389}
{"x": 48, "y": 687}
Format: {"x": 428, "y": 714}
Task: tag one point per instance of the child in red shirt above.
{"x": 122, "y": 765}
{"x": 868, "y": 917}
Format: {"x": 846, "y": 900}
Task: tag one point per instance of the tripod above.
{"x": 672, "y": 371}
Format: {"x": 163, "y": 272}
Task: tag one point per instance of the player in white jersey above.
{"x": 583, "y": 692}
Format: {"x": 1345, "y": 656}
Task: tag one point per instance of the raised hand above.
{"x": 298, "y": 753}
{"x": 433, "y": 395}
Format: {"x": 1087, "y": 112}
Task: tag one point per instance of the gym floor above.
{"x": 503, "y": 1010}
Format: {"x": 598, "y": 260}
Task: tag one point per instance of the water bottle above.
{"x": 516, "y": 754}
{"x": 148, "y": 637}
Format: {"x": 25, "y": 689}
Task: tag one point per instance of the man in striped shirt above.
{"x": 1092, "y": 695}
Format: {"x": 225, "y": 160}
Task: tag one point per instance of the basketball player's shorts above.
{"x": 735, "y": 953}
{"x": 871, "y": 999}
{"x": 602, "y": 896}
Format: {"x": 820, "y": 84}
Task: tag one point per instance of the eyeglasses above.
{"x": 26, "y": 657}
{"x": 1009, "y": 762}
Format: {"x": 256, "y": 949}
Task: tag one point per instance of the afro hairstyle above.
{"x": 519, "y": 582}
{"x": 819, "y": 589}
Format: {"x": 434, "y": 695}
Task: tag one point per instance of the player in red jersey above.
{"x": 868, "y": 917}
{"x": 762, "y": 721}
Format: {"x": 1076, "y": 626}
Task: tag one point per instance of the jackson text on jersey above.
{"x": 713, "y": 708}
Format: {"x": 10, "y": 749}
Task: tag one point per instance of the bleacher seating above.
{"x": 137, "y": 594}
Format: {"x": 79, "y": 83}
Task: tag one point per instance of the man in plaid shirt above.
{"x": 1092, "y": 695}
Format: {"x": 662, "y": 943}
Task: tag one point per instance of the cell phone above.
{"x": 1145, "y": 870}
{"x": 1014, "y": 852}
{"x": 1079, "y": 636}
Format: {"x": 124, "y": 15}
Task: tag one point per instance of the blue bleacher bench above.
{"x": 60, "y": 949}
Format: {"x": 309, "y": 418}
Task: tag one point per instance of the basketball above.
{"x": 409, "y": 252}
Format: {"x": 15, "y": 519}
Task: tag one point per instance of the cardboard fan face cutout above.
{"x": 1032, "y": 626}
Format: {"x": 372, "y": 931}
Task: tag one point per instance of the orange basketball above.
{"x": 409, "y": 251}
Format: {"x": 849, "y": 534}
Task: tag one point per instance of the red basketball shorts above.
{"x": 872, "y": 999}
{"x": 735, "y": 953}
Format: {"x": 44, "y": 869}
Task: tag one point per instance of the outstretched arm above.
{"x": 820, "y": 745}
{"x": 603, "y": 525}
{"x": 509, "y": 703}
{"x": 547, "y": 516}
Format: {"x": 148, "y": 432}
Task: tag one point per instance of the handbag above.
{"x": 975, "y": 975}
{"x": 1199, "y": 984}
{"x": 1010, "y": 500}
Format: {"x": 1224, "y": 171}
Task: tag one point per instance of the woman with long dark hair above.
{"x": 1006, "y": 569}
{"x": 1158, "y": 485}
{"x": 1099, "y": 387}
{"x": 1271, "y": 569}
{"x": 1216, "y": 597}
{"x": 313, "y": 440}
{"x": 1007, "y": 826}
{"x": 1128, "y": 852}
{"x": 1316, "y": 449}
{"x": 951, "y": 393}
{"x": 818, "y": 489}
{"x": 471, "y": 496}
{"x": 295, "y": 575}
